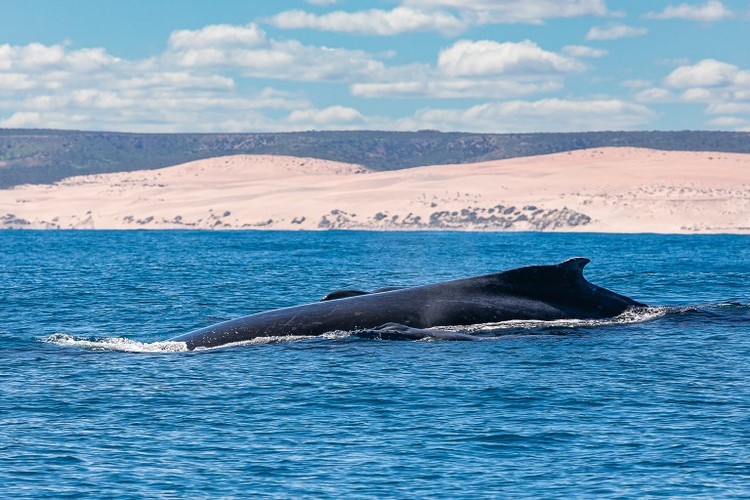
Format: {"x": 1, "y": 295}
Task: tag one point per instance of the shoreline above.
{"x": 603, "y": 190}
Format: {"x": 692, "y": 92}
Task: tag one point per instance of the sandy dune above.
{"x": 606, "y": 190}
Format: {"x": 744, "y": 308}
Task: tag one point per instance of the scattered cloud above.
{"x": 52, "y": 86}
{"x": 217, "y": 35}
{"x": 249, "y": 50}
{"x": 454, "y": 88}
{"x": 728, "y": 108}
{"x": 713, "y": 10}
{"x": 331, "y": 117}
{"x": 479, "y": 12}
{"x": 731, "y": 122}
{"x": 486, "y": 57}
{"x": 583, "y": 51}
{"x": 723, "y": 88}
{"x": 706, "y": 73}
{"x": 614, "y": 32}
{"x": 202, "y": 81}
{"x": 552, "y": 115}
{"x": 448, "y": 17}
{"x": 655, "y": 94}
{"x": 478, "y": 69}
{"x": 371, "y": 22}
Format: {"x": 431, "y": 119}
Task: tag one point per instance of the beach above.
{"x": 618, "y": 190}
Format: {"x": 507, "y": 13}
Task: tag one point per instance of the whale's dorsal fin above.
{"x": 574, "y": 265}
{"x": 565, "y": 274}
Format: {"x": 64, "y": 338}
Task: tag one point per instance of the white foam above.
{"x": 114, "y": 344}
{"x": 634, "y": 315}
{"x": 257, "y": 341}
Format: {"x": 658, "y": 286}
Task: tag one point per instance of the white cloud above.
{"x": 16, "y": 81}
{"x": 248, "y": 50}
{"x": 728, "y": 108}
{"x": 486, "y": 57}
{"x": 448, "y": 17}
{"x": 723, "y": 88}
{"x": 54, "y": 87}
{"x": 330, "y": 117}
{"x": 614, "y": 32}
{"x": 477, "y": 69}
{"x": 217, "y": 35}
{"x": 713, "y": 10}
{"x": 36, "y": 56}
{"x": 454, "y": 88}
{"x": 322, "y": 3}
{"x": 553, "y": 115}
{"x": 654, "y": 94}
{"x": 706, "y": 73}
{"x": 515, "y": 11}
{"x": 583, "y": 51}
{"x": 730, "y": 122}
{"x": 371, "y": 22}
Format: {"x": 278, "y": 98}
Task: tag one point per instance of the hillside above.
{"x": 46, "y": 156}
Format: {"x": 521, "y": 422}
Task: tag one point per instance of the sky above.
{"x": 503, "y": 66}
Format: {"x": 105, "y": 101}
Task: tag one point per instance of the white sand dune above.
{"x": 605, "y": 190}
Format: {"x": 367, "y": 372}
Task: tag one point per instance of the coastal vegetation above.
{"x": 47, "y": 156}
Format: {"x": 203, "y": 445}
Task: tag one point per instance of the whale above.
{"x": 541, "y": 292}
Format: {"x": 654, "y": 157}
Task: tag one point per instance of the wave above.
{"x": 487, "y": 331}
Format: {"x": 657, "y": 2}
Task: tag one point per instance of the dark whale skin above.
{"x": 546, "y": 292}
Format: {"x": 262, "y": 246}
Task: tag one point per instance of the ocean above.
{"x": 93, "y": 403}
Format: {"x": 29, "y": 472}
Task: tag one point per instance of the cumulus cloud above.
{"x": 706, "y": 73}
{"x": 454, "y": 88}
{"x": 614, "y": 32}
{"x": 37, "y": 56}
{"x": 203, "y": 79}
{"x": 583, "y": 51}
{"x": 246, "y": 48}
{"x": 515, "y": 11}
{"x": 654, "y": 94}
{"x": 487, "y": 57}
{"x": 723, "y": 88}
{"x": 54, "y": 87}
{"x": 217, "y": 35}
{"x": 478, "y": 69}
{"x": 552, "y": 115}
{"x": 330, "y": 117}
{"x": 371, "y": 22}
{"x": 448, "y": 17}
{"x": 714, "y": 10}
{"x": 730, "y": 122}
{"x": 16, "y": 81}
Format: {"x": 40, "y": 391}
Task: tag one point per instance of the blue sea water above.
{"x": 93, "y": 404}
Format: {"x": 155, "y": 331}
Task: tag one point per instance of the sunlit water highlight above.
{"x": 94, "y": 402}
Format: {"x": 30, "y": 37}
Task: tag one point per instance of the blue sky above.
{"x": 466, "y": 65}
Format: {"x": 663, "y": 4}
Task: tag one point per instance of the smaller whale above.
{"x": 547, "y": 292}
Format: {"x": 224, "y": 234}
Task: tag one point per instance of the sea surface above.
{"x": 94, "y": 404}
